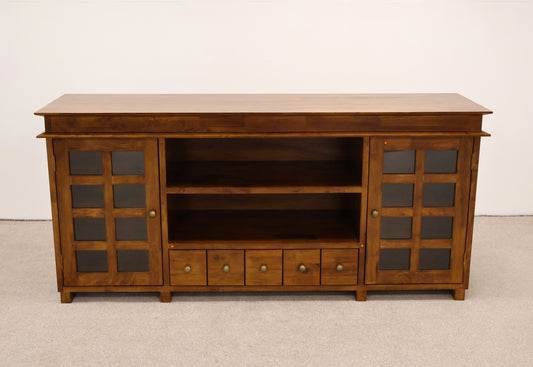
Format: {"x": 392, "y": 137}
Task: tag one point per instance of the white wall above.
{"x": 481, "y": 49}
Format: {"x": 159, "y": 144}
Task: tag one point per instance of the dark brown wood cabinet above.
{"x": 195, "y": 193}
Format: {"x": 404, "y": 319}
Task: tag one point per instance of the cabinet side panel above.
{"x": 471, "y": 211}
{"x": 55, "y": 216}
{"x": 461, "y": 208}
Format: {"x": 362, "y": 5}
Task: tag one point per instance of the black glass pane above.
{"x": 89, "y": 261}
{"x": 129, "y": 196}
{"x": 434, "y": 259}
{"x": 128, "y": 163}
{"x": 394, "y": 258}
{"x": 395, "y": 228}
{"x": 399, "y": 161}
{"x": 131, "y": 229}
{"x": 441, "y": 161}
{"x": 436, "y": 227}
{"x": 85, "y": 163}
{"x": 89, "y": 229}
{"x": 396, "y": 195}
{"x": 87, "y": 196}
{"x": 439, "y": 194}
{"x": 132, "y": 260}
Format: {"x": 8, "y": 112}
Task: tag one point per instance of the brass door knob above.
{"x": 263, "y": 268}
{"x": 340, "y": 267}
{"x": 187, "y": 269}
{"x": 225, "y": 268}
{"x": 302, "y": 268}
{"x": 152, "y": 213}
{"x": 375, "y": 213}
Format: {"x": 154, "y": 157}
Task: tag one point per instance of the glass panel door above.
{"x": 108, "y": 192}
{"x": 417, "y": 210}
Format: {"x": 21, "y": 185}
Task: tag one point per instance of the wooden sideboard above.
{"x": 309, "y": 192}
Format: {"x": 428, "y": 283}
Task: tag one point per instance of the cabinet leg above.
{"x": 459, "y": 294}
{"x": 66, "y": 297}
{"x": 166, "y": 297}
{"x": 360, "y": 295}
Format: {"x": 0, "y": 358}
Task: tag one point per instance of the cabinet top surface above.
{"x": 170, "y": 104}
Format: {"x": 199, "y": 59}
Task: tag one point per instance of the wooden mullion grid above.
{"x": 109, "y": 218}
{"x": 86, "y": 180}
{"x": 88, "y": 213}
{"x": 420, "y": 160}
{"x": 439, "y": 212}
{"x": 436, "y": 243}
{"x": 132, "y": 245}
{"x": 398, "y": 178}
{"x": 397, "y": 212}
{"x": 128, "y": 213}
{"x": 440, "y": 177}
{"x": 396, "y": 244}
{"x": 128, "y": 180}
{"x": 90, "y": 245}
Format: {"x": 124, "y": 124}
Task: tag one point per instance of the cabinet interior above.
{"x": 264, "y": 189}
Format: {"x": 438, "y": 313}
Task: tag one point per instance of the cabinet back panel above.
{"x": 264, "y": 149}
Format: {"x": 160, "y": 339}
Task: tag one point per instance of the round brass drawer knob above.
{"x": 263, "y": 268}
{"x": 302, "y": 268}
{"x": 375, "y": 213}
{"x": 340, "y": 267}
{"x": 225, "y": 268}
{"x": 187, "y": 269}
{"x": 152, "y": 213}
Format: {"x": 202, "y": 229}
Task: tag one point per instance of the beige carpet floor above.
{"x": 493, "y": 327}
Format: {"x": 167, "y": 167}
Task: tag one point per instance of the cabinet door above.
{"x": 108, "y": 194}
{"x": 417, "y": 210}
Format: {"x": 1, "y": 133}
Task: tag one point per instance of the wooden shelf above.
{"x": 303, "y": 226}
{"x": 263, "y": 177}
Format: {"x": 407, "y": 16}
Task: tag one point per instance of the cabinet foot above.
{"x": 360, "y": 295}
{"x": 166, "y": 297}
{"x": 459, "y": 294}
{"x": 66, "y": 297}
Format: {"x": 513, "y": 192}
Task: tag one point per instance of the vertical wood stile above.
{"x": 164, "y": 209}
{"x": 66, "y": 226}
{"x": 471, "y": 210}
{"x": 55, "y": 213}
{"x": 364, "y": 209}
{"x": 374, "y": 202}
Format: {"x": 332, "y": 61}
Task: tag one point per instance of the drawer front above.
{"x": 264, "y": 267}
{"x": 301, "y": 267}
{"x": 187, "y": 267}
{"x": 225, "y": 267}
{"x": 339, "y": 266}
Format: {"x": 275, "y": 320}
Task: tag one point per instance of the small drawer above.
{"x": 225, "y": 267}
{"x": 339, "y": 266}
{"x": 264, "y": 267}
{"x": 187, "y": 267}
{"x": 301, "y": 267}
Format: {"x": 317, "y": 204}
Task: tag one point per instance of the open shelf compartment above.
{"x": 259, "y": 219}
{"x": 264, "y": 165}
